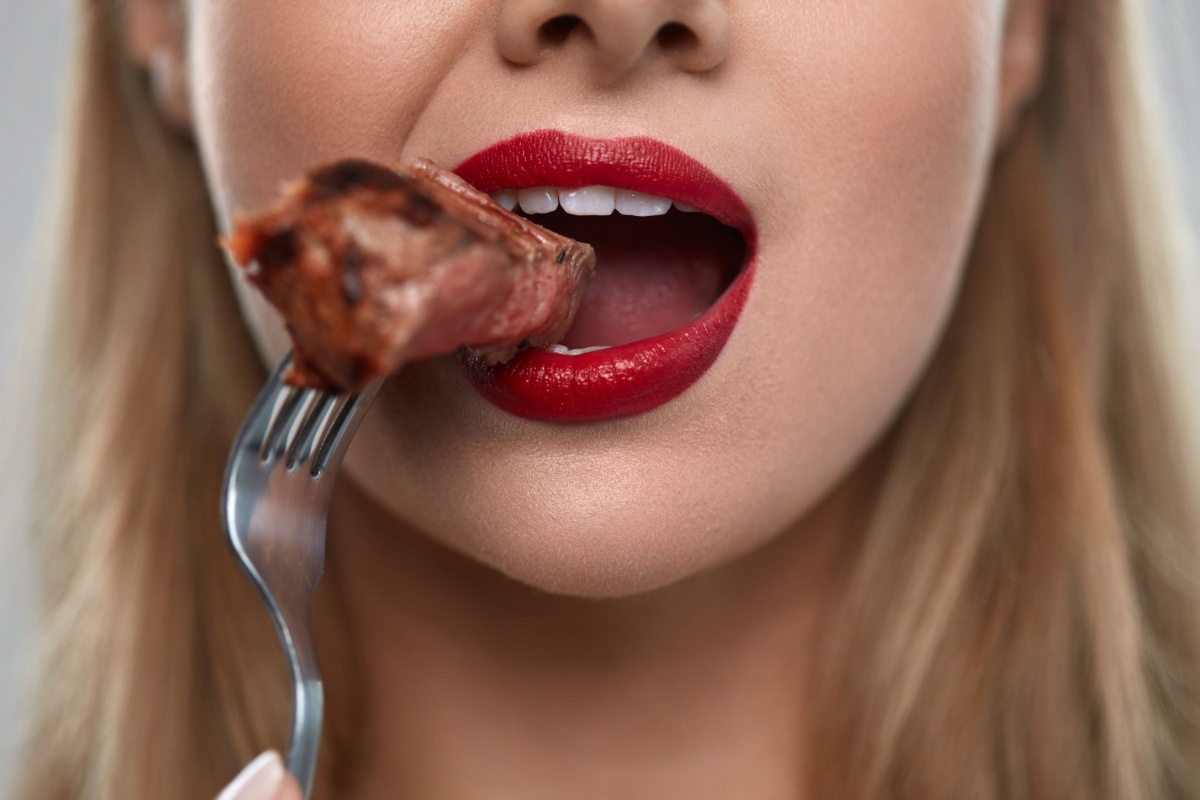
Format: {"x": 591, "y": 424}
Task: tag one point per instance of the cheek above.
{"x": 277, "y": 92}
{"x": 881, "y": 165}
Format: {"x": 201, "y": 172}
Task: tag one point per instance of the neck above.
{"x": 471, "y": 685}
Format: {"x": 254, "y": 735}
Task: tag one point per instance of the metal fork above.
{"x": 274, "y": 503}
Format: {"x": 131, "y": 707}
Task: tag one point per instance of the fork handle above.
{"x": 306, "y": 730}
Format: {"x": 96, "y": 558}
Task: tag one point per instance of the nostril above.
{"x": 556, "y": 30}
{"x": 675, "y": 37}
{"x": 614, "y": 36}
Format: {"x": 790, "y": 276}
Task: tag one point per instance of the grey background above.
{"x": 33, "y": 45}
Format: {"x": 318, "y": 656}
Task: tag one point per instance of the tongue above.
{"x": 642, "y": 292}
{"x": 653, "y": 274}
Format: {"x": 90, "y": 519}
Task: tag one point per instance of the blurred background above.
{"x": 34, "y": 38}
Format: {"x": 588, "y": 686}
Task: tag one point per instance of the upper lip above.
{"x": 569, "y": 161}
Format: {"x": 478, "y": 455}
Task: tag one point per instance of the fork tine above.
{"x": 276, "y": 441}
{"x": 329, "y": 445}
{"x": 312, "y": 424}
{"x": 258, "y": 419}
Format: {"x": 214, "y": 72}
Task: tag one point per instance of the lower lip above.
{"x": 616, "y": 382}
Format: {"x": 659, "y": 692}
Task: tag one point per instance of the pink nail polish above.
{"x": 260, "y": 780}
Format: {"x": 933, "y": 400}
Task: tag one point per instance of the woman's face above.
{"x": 858, "y": 135}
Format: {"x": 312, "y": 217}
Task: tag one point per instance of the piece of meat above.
{"x": 373, "y": 268}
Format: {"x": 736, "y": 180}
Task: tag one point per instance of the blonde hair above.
{"x": 1021, "y": 617}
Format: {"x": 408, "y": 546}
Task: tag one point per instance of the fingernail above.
{"x": 260, "y": 780}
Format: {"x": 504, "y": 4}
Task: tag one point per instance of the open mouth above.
{"x": 675, "y": 257}
{"x": 660, "y": 264}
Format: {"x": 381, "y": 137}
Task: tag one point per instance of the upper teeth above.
{"x": 587, "y": 201}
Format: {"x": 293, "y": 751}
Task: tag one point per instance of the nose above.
{"x": 692, "y": 35}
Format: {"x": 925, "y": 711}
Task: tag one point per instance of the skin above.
{"x": 468, "y": 548}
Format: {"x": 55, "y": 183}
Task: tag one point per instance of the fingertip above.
{"x": 289, "y": 789}
{"x": 262, "y": 779}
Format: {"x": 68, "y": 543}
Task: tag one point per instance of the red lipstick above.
{"x": 632, "y": 378}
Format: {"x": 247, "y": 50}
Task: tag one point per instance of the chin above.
{"x": 587, "y": 521}
{"x": 591, "y": 556}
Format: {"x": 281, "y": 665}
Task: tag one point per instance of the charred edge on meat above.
{"x": 344, "y": 177}
{"x": 422, "y": 210}
{"x": 278, "y": 248}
